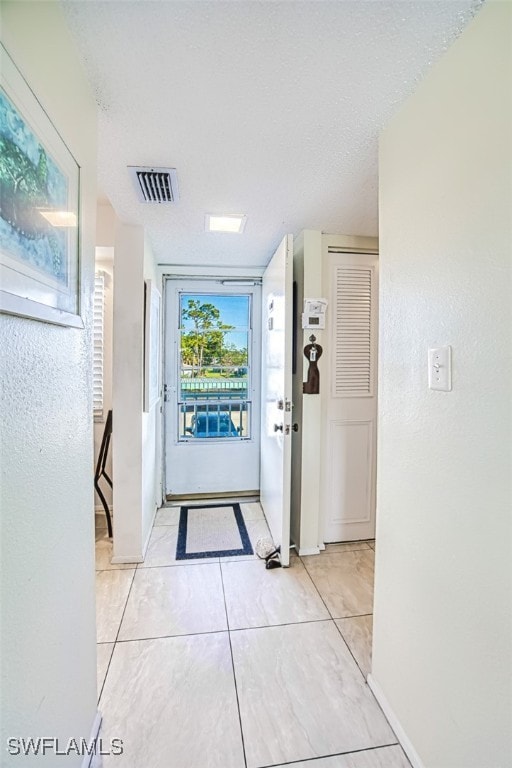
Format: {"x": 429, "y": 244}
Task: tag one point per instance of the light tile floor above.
{"x": 219, "y": 663}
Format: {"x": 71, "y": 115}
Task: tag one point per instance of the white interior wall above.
{"x": 442, "y": 653}
{"x": 48, "y": 608}
{"x": 127, "y": 392}
{"x": 105, "y": 225}
{"x": 151, "y": 427}
{"x": 136, "y": 435}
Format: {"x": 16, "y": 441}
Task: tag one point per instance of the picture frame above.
{"x": 39, "y": 210}
{"x": 152, "y": 308}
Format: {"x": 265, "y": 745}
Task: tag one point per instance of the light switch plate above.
{"x": 440, "y": 369}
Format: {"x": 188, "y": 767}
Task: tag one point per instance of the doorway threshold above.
{"x": 242, "y": 497}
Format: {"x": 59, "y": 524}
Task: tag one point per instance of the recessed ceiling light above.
{"x": 229, "y": 223}
{"x": 60, "y": 218}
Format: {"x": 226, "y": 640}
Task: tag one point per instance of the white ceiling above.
{"x": 272, "y": 109}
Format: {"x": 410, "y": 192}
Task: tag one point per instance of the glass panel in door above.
{"x": 214, "y": 367}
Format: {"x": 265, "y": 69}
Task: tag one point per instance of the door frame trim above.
{"x": 226, "y": 279}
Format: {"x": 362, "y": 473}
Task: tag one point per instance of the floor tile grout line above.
{"x": 389, "y": 724}
{"x": 334, "y": 618}
{"x": 224, "y": 596}
{"x": 233, "y": 667}
{"x": 316, "y": 588}
{"x": 349, "y": 650}
{"x": 283, "y": 624}
{"x": 125, "y": 605}
{"x": 312, "y": 760}
{"x": 171, "y": 637}
{"x": 216, "y": 631}
{"x": 210, "y": 561}
{"x": 182, "y": 563}
{"x": 106, "y": 671}
{"x": 351, "y": 653}
{"x": 316, "y": 621}
{"x": 117, "y": 634}
{"x": 197, "y": 561}
{"x": 215, "y": 561}
{"x": 166, "y": 525}
{"x": 337, "y": 628}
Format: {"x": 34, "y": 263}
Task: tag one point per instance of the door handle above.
{"x": 278, "y": 427}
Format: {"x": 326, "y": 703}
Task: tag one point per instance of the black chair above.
{"x": 101, "y": 471}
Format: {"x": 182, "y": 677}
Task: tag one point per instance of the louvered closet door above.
{"x": 350, "y": 415}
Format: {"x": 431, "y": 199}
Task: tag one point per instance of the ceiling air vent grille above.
{"x": 155, "y": 185}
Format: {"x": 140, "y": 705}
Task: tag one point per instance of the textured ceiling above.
{"x": 272, "y": 109}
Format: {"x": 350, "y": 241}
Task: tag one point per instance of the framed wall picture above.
{"x": 151, "y": 346}
{"x": 39, "y": 209}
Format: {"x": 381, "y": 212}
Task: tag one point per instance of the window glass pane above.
{"x": 214, "y": 366}
{"x": 201, "y": 420}
{"x": 204, "y": 311}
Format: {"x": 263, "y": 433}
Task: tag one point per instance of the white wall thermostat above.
{"x": 314, "y": 313}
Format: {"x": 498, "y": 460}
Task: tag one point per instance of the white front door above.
{"x": 276, "y": 395}
{"x": 212, "y": 387}
{"x": 349, "y": 419}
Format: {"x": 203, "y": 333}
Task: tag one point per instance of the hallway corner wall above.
{"x": 136, "y": 434}
{"x": 151, "y": 424}
{"x": 127, "y": 392}
{"x": 48, "y": 653}
{"x": 442, "y": 654}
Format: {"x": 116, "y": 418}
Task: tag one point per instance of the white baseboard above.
{"x": 126, "y": 559}
{"x": 394, "y": 722}
{"x": 90, "y": 761}
{"x": 309, "y": 551}
{"x": 122, "y": 559}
